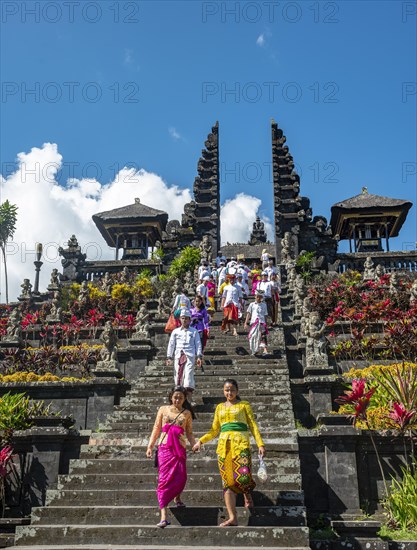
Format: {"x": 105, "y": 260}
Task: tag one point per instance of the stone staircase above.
{"x": 108, "y": 499}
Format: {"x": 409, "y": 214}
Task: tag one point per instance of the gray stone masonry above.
{"x": 109, "y": 494}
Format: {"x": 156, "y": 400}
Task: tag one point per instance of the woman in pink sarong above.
{"x": 172, "y": 426}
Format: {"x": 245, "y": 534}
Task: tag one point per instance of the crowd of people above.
{"x": 233, "y": 420}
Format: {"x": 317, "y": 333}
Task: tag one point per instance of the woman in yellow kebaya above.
{"x": 234, "y": 420}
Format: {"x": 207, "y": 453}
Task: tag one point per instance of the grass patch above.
{"x": 397, "y": 534}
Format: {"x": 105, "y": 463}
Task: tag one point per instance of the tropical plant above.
{"x": 305, "y": 263}
{"x": 17, "y": 413}
{"x": 8, "y": 218}
{"x": 186, "y": 261}
{"x": 400, "y": 502}
{"x": 5, "y": 458}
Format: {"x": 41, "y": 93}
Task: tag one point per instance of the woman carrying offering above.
{"x": 233, "y": 420}
{"x": 172, "y": 425}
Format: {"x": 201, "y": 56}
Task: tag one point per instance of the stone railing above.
{"x": 94, "y": 270}
{"x": 403, "y": 260}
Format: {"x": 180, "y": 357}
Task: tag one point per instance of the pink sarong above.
{"x": 172, "y": 470}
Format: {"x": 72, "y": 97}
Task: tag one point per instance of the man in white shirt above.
{"x": 271, "y": 270}
{"x": 232, "y": 299}
{"x": 202, "y": 289}
{"x": 221, "y": 275}
{"x": 203, "y": 270}
{"x": 185, "y": 346}
{"x": 220, "y": 258}
{"x": 267, "y": 287}
{"x": 256, "y": 316}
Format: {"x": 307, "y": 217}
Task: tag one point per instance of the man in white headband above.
{"x": 185, "y": 346}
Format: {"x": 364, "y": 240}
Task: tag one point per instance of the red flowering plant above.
{"x": 29, "y": 322}
{"x": 357, "y": 311}
{"x": 124, "y": 322}
{"x": 387, "y": 399}
{"x": 93, "y": 321}
{"x": 71, "y": 330}
{"x": 5, "y": 462}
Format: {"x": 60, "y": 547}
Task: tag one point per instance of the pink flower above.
{"x": 401, "y": 416}
{"x": 357, "y": 393}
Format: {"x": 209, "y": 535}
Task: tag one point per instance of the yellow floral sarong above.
{"x": 233, "y": 449}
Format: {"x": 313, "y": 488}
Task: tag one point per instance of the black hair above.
{"x": 202, "y": 305}
{"x": 186, "y": 405}
{"x": 234, "y": 383}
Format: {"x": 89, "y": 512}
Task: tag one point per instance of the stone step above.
{"x": 135, "y": 448}
{"x": 148, "y": 515}
{"x": 199, "y": 426}
{"x": 207, "y": 537}
{"x": 199, "y": 463}
{"x": 203, "y": 481}
{"x": 147, "y": 497}
{"x": 204, "y": 414}
{"x": 273, "y": 384}
{"x": 139, "y": 547}
{"x": 208, "y": 397}
{"x": 275, "y": 406}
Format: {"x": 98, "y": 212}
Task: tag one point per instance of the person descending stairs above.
{"x": 108, "y": 499}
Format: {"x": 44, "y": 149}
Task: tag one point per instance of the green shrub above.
{"x": 401, "y": 504}
{"x": 187, "y": 260}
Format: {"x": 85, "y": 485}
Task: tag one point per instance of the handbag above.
{"x": 155, "y": 461}
{"x": 262, "y": 473}
{"x": 171, "y": 324}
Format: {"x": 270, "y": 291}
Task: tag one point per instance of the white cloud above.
{"x": 50, "y": 213}
{"x": 260, "y": 41}
{"x": 129, "y": 60}
{"x": 237, "y": 217}
{"x": 174, "y": 134}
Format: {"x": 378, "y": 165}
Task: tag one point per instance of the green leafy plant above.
{"x": 186, "y": 261}
{"x": 17, "y": 413}
{"x": 8, "y": 218}
{"x": 305, "y": 263}
{"x": 400, "y": 503}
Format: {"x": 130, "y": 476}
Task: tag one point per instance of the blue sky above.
{"x": 141, "y": 83}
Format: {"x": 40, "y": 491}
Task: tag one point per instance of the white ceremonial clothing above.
{"x": 270, "y": 270}
{"x": 186, "y": 340}
{"x": 181, "y": 302}
{"x": 257, "y": 311}
{"x": 232, "y": 295}
{"x": 202, "y": 290}
{"x": 266, "y": 286}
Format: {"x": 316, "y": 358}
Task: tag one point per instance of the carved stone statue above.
{"x": 189, "y": 283}
{"x": 379, "y": 272}
{"x": 291, "y": 276}
{"x": 316, "y": 344}
{"x": 413, "y": 292}
{"x": 394, "y": 284}
{"x": 56, "y": 311}
{"x": 14, "y": 330}
{"x": 305, "y": 315}
{"x": 26, "y": 293}
{"x": 164, "y": 303}
{"x": 55, "y": 283}
{"x": 286, "y": 248}
{"x": 109, "y": 351}
{"x": 206, "y": 249}
{"x": 124, "y": 276}
{"x": 142, "y": 324}
{"x": 299, "y": 295}
{"x": 84, "y": 293}
{"x": 369, "y": 270}
{"x": 106, "y": 284}
{"x": 258, "y": 235}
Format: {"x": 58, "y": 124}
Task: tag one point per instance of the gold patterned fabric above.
{"x": 239, "y": 441}
{"x": 233, "y": 449}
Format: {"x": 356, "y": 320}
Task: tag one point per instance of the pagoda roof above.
{"x": 369, "y": 208}
{"x": 137, "y": 210}
{"x": 367, "y": 200}
{"x": 130, "y": 217}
